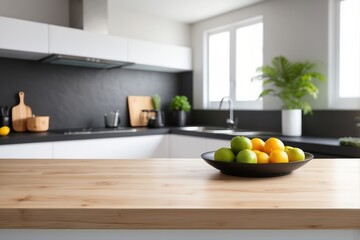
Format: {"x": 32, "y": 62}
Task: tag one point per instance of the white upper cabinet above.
{"x": 23, "y": 39}
{"x": 33, "y": 41}
{"x": 75, "y": 42}
{"x": 158, "y": 57}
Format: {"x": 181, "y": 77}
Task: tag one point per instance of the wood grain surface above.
{"x": 20, "y": 113}
{"x": 175, "y": 194}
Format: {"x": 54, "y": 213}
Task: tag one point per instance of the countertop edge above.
{"x": 180, "y": 218}
{"x": 311, "y": 144}
{"x": 18, "y": 138}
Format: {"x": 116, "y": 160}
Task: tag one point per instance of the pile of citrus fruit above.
{"x": 255, "y": 150}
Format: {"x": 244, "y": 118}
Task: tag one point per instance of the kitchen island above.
{"x": 165, "y": 194}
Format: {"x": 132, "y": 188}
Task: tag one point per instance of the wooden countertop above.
{"x": 175, "y": 194}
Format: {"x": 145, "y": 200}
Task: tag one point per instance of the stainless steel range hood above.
{"x": 90, "y": 16}
{"x": 84, "y": 61}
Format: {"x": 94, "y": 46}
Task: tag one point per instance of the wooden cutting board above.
{"x": 20, "y": 113}
{"x": 136, "y": 104}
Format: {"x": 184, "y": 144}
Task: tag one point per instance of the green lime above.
{"x": 224, "y": 155}
{"x": 295, "y": 154}
{"x": 239, "y": 143}
{"x": 287, "y": 148}
{"x": 246, "y": 156}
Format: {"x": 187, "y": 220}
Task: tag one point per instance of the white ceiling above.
{"x": 186, "y": 11}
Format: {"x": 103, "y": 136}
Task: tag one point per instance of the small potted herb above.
{"x": 180, "y": 106}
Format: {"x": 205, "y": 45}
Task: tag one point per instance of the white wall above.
{"x": 45, "y": 11}
{"x": 131, "y": 23}
{"x": 293, "y": 28}
{"x": 124, "y": 22}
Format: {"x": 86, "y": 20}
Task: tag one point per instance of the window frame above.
{"x": 253, "y": 105}
{"x": 335, "y": 101}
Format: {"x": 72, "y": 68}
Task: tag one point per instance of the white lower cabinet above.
{"x": 214, "y": 144}
{"x": 192, "y": 147}
{"x": 26, "y": 150}
{"x": 185, "y": 146}
{"x": 154, "y": 146}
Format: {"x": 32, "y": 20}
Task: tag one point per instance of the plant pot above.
{"x": 179, "y": 118}
{"x": 156, "y": 120}
{"x": 291, "y": 122}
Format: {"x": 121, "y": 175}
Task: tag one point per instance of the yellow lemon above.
{"x": 4, "y": 131}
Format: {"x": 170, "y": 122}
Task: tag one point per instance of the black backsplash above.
{"x": 323, "y": 123}
{"x": 76, "y": 97}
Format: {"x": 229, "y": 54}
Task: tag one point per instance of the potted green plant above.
{"x": 291, "y": 82}
{"x": 180, "y": 106}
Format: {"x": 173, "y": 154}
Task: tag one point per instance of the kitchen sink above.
{"x": 94, "y": 131}
{"x": 220, "y": 130}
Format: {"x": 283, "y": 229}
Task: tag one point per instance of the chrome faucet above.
{"x": 230, "y": 121}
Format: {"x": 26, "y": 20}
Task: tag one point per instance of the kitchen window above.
{"x": 233, "y": 54}
{"x": 345, "y": 62}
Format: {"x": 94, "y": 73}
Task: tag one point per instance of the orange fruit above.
{"x": 257, "y": 144}
{"x": 273, "y": 144}
{"x": 279, "y": 156}
{"x": 262, "y": 157}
